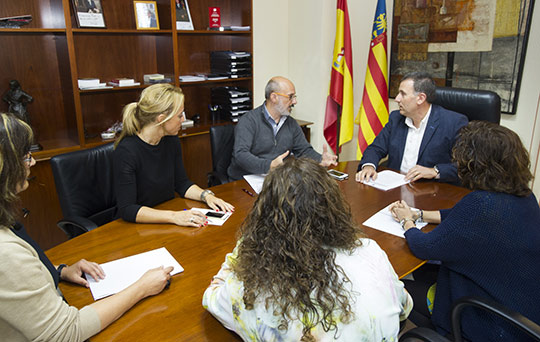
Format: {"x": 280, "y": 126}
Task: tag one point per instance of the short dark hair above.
{"x": 422, "y": 83}
{"x": 15, "y": 142}
{"x": 492, "y": 157}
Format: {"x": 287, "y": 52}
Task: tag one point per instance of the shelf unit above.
{"x": 51, "y": 53}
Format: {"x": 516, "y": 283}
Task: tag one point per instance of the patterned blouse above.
{"x": 379, "y": 302}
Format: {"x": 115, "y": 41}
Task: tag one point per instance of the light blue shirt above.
{"x": 275, "y": 126}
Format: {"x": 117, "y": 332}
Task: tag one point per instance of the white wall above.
{"x": 295, "y": 39}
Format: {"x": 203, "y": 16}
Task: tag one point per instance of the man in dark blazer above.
{"x": 418, "y": 138}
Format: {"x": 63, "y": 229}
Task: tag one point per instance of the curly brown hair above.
{"x": 286, "y": 252}
{"x": 15, "y": 141}
{"x": 492, "y": 157}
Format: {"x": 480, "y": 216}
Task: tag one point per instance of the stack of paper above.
{"x": 91, "y": 83}
{"x": 387, "y": 180}
{"x": 121, "y": 273}
{"x": 124, "y": 82}
{"x": 191, "y": 78}
{"x": 384, "y": 221}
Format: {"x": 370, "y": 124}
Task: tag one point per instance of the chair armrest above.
{"x": 76, "y": 225}
{"x": 423, "y": 334}
{"x": 517, "y": 319}
{"x": 215, "y": 178}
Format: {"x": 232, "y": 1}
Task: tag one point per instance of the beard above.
{"x": 283, "y": 110}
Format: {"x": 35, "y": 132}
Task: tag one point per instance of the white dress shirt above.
{"x": 412, "y": 144}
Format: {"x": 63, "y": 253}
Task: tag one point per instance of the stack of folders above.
{"x": 91, "y": 83}
{"x": 234, "y": 64}
{"x": 123, "y": 82}
{"x": 232, "y": 102}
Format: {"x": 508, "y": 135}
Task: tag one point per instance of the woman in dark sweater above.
{"x": 488, "y": 243}
{"x": 148, "y": 167}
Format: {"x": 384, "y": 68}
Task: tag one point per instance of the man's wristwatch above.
{"x": 206, "y": 193}
{"x": 438, "y": 175}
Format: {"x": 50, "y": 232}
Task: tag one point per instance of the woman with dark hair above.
{"x": 31, "y": 306}
{"x": 488, "y": 243}
{"x": 303, "y": 271}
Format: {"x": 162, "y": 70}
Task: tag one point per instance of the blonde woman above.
{"x": 31, "y": 308}
{"x": 148, "y": 167}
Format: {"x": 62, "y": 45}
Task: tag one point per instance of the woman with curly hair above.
{"x": 488, "y": 243}
{"x": 303, "y": 271}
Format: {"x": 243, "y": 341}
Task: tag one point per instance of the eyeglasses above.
{"x": 291, "y": 96}
{"x": 28, "y": 158}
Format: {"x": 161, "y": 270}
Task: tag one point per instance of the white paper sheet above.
{"x": 387, "y": 180}
{"x": 215, "y": 221}
{"x": 255, "y": 181}
{"x": 121, "y": 273}
{"x": 384, "y": 221}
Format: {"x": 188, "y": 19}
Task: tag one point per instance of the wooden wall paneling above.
{"x": 45, "y": 13}
{"x": 197, "y": 157}
{"x": 101, "y": 109}
{"x": 42, "y": 201}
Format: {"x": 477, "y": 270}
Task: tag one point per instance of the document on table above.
{"x": 214, "y": 217}
{"x": 121, "y": 273}
{"x": 255, "y": 181}
{"x": 384, "y": 221}
{"x": 387, "y": 180}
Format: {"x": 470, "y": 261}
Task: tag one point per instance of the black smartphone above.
{"x": 214, "y": 214}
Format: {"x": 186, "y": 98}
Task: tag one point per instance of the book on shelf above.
{"x": 88, "y": 82}
{"x": 100, "y": 86}
{"x": 122, "y": 81}
{"x": 157, "y": 78}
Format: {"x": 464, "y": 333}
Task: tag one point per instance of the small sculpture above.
{"x": 17, "y": 100}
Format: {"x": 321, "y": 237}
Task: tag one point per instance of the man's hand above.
{"x": 279, "y": 160}
{"x": 328, "y": 158}
{"x": 418, "y": 172}
{"x": 368, "y": 172}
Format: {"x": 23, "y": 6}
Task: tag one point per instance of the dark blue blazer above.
{"x": 435, "y": 149}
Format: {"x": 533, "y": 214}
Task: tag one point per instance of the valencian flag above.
{"x": 373, "y": 114}
{"x": 340, "y": 97}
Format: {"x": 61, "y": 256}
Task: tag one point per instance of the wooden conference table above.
{"x": 177, "y": 314}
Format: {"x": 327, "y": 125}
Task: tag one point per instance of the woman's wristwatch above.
{"x": 404, "y": 220}
{"x": 205, "y": 193}
{"x": 59, "y": 270}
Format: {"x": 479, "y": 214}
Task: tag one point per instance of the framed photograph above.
{"x": 183, "y": 18}
{"x": 89, "y": 13}
{"x": 146, "y": 15}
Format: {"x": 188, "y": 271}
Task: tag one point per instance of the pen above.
{"x": 248, "y": 192}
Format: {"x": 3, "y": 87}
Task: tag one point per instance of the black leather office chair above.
{"x": 221, "y": 144}
{"x": 516, "y": 319}
{"x": 475, "y": 104}
{"x": 84, "y": 182}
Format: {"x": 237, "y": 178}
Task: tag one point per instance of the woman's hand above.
{"x": 74, "y": 272}
{"x": 154, "y": 280}
{"x": 217, "y": 203}
{"x": 400, "y": 210}
{"x": 189, "y": 218}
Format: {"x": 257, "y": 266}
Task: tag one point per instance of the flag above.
{"x": 373, "y": 113}
{"x": 340, "y": 97}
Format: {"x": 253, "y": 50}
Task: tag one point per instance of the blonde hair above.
{"x": 162, "y": 98}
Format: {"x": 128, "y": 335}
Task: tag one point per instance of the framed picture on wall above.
{"x": 89, "y": 13}
{"x": 146, "y": 15}
{"x": 183, "y": 17}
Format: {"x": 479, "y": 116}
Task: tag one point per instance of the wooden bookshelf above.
{"x": 51, "y": 53}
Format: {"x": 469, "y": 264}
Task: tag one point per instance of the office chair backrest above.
{"x": 84, "y": 182}
{"x": 221, "y": 144}
{"x": 475, "y": 104}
